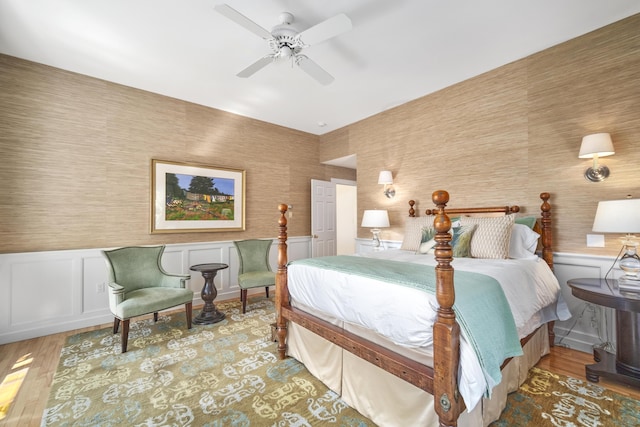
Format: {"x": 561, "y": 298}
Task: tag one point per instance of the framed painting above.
{"x": 188, "y": 197}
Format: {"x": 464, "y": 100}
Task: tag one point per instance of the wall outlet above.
{"x": 595, "y": 240}
{"x": 101, "y": 287}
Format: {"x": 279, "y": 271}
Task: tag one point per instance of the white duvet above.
{"x": 405, "y": 315}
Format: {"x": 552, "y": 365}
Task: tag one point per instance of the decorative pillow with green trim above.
{"x": 427, "y": 242}
{"x": 413, "y": 231}
{"x": 461, "y": 240}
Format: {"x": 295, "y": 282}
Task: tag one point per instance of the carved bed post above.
{"x": 282, "y": 289}
{"x": 547, "y": 252}
{"x": 446, "y": 331}
{"x": 547, "y": 234}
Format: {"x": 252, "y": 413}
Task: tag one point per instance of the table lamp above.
{"x": 375, "y": 219}
{"x": 622, "y": 216}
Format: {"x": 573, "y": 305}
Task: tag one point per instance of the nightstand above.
{"x": 624, "y": 366}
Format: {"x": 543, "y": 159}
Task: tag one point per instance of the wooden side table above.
{"x": 209, "y": 313}
{"x": 624, "y": 366}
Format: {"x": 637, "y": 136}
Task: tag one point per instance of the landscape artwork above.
{"x": 193, "y": 197}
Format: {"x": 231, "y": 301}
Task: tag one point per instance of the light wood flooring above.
{"x": 38, "y": 358}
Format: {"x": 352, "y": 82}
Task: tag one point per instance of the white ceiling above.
{"x": 397, "y": 50}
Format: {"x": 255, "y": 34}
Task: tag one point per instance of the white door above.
{"x": 323, "y": 218}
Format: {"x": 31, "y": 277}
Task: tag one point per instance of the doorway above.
{"x": 333, "y": 217}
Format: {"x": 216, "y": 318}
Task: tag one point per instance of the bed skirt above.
{"x": 386, "y": 399}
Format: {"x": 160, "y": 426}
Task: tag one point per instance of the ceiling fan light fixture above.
{"x": 286, "y": 42}
{"x": 285, "y": 52}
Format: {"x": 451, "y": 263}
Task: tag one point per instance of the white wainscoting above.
{"x": 591, "y": 325}
{"x": 42, "y": 293}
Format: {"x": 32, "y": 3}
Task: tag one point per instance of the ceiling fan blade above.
{"x": 326, "y": 29}
{"x": 256, "y": 66}
{"x": 314, "y": 70}
{"x": 242, "y": 20}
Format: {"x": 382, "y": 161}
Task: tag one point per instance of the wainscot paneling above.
{"x": 591, "y": 325}
{"x": 47, "y": 292}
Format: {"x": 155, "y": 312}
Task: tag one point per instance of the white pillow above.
{"x": 413, "y": 231}
{"x": 523, "y": 243}
{"x": 491, "y": 238}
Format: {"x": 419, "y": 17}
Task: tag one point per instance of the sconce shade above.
{"x": 375, "y": 218}
{"x": 599, "y": 144}
{"x": 385, "y": 177}
{"x": 594, "y": 146}
{"x": 618, "y": 216}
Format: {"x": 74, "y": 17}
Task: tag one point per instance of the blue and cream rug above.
{"x": 548, "y": 399}
{"x": 228, "y": 374}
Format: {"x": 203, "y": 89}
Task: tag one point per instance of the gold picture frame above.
{"x": 192, "y": 197}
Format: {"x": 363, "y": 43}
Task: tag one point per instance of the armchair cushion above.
{"x": 151, "y": 300}
{"x": 256, "y": 279}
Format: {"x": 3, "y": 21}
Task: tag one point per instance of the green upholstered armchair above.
{"x": 139, "y": 285}
{"x": 254, "y": 270}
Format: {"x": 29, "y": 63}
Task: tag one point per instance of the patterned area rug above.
{"x": 548, "y": 399}
{"x": 226, "y": 374}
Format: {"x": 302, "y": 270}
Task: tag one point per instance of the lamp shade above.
{"x": 375, "y": 218}
{"x": 385, "y": 177}
{"x": 618, "y": 216}
{"x": 596, "y": 144}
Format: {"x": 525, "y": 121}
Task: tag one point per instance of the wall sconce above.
{"x": 375, "y": 219}
{"x": 386, "y": 178}
{"x": 596, "y": 145}
{"x": 621, "y": 216}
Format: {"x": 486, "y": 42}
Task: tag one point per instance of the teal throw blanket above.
{"x": 481, "y": 307}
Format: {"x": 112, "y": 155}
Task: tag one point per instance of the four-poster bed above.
{"x": 364, "y": 367}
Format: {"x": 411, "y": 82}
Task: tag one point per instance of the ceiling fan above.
{"x": 286, "y": 43}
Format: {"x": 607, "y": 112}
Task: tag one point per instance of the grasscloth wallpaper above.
{"x": 76, "y": 155}
{"x": 75, "y": 151}
{"x": 508, "y": 135}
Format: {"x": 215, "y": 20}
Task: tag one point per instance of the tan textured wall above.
{"x": 75, "y": 155}
{"x": 335, "y": 145}
{"x": 75, "y": 151}
{"x": 509, "y": 134}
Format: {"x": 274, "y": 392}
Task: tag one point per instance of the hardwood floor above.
{"x": 563, "y": 360}
{"x": 27, "y": 368}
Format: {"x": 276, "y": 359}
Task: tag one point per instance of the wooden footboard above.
{"x": 442, "y": 380}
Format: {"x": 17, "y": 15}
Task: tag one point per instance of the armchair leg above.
{"x": 116, "y": 325}
{"x": 266, "y": 288}
{"x": 188, "y": 308}
{"x": 155, "y": 317}
{"x": 125, "y": 335}
{"x": 243, "y": 298}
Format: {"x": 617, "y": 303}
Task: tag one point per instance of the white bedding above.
{"x": 405, "y": 315}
